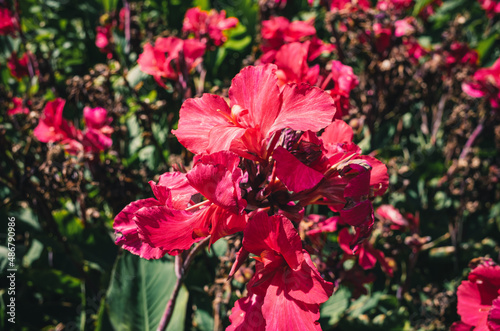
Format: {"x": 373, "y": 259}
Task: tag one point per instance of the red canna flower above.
{"x": 7, "y": 22}
{"x": 171, "y": 58}
{"x": 367, "y": 254}
{"x": 97, "y": 135}
{"x": 286, "y": 288}
{"x": 391, "y": 215}
{"x": 52, "y": 127}
{"x": 492, "y": 7}
{"x": 344, "y": 81}
{"x": 104, "y": 39}
{"x": 19, "y": 107}
{"x": 460, "y": 53}
{"x": 279, "y": 30}
{"x": 485, "y": 83}
{"x": 479, "y": 299}
{"x": 257, "y": 109}
{"x": 208, "y": 25}
{"x": 349, "y": 5}
{"x": 291, "y": 60}
{"x": 18, "y": 67}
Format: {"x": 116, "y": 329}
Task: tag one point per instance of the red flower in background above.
{"x": 350, "y": 5}
{"x": 279, "y": 30}
{"x": 208, "y": 25}
{"x": 257, "y": 108}
{"x": 291, "y": 60}
{"x": 52, "y": 127}
{"x": 479, "y": 299}
{"x": 395, "y": 5}
{"x": 18, "y": 66}
{"x": 97, "y": 135}
{"x": 7, "y": 22}
{"x": 345, "y": 80}
{"x": 104, "y": 39}
{"x": 171, "y": 58}
{"x": 492, "y": 7}
{"x": 367, "y": 254}
{"x": 485, "y": 83}
{"x": 286, "y": 288}
{"x": 460, "y": 53}
{"x": 19, "y": 107}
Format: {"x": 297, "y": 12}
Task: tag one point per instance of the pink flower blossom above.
{"x": 257, "y": 109}
{"x": 279, "y": 30}
{"x": 291, "y": 60}
{"x": 479, "y": 299}
{"x": 97, "y": 135}
{"x": 173, "y": 221}
{"x": 404, "y": 27}
{"x": 52, "y": 127}
{"x": 171, "y": 58}
{"x": 18, "y": 66}
{"x": 19, "y": 107}
{"x": 349, "y": 5}
{"x": 7, "y": 22}
{"x": 104, "y": 39}
{"x": 492, "y": 7}
{"x": 485, "y": 83}
{"x": 460, "y": 53}
{"x": 393, "y": 216}
{"x": 367, "y": 254}
{"x": 208, "y": 24}
{"x": 344, "y": 81}
{"x": 286, "y": 288}
{"x": 395, "y": 5}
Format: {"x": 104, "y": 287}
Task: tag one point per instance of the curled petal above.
{"x": 127, "y": 233}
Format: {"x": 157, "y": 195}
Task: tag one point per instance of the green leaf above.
{"x": 33, "y": 254}
{"x": 334, "y": 308}
{"x": 485, "y": 45}
{"x": 139, "y": 291}
{"x": 135, "y": 76}
{"x": 419, "y": 5}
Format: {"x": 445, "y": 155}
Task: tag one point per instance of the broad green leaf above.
{"x": 139, "y": 292}
{"x": 334, "y": 308}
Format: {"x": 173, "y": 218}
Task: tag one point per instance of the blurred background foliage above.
{"x": 72, "y": 276}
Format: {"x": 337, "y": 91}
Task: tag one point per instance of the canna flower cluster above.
{"x": 208, "y": 26}
{"x": 96, "y": 136}
{"x": 479, "y": 298}
{"x": 171, "y": 58}
{"x": 259, "y": 161}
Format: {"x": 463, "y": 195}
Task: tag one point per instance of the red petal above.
{"x": 168, "y": 229}
{"x": 218, "y": 178}
{"x": 459, "y": 326}
{"x": 471, "y": 306}
{"x": 304, "y": 108}
{"x": 273, "y": 233}
{"x": 127, "y": 234}
{"x": 283, "y": 312}
{"x": 379, "y": 179}
{"x": 337, "y": 132}
{"x": 494, "y": 315}
{"x": 304, "y": 284}
{"x": 181, "y": 191}
{"x": 198, "y": 116}
{"x": 246, "y": 315}
{"x": 293, "y": 173}
{"x": 256, "y": 89}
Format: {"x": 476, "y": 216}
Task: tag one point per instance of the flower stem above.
{"x": 169, "y": 309}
